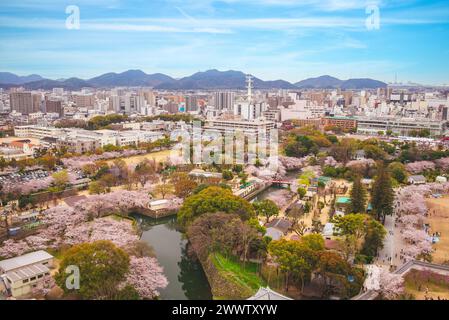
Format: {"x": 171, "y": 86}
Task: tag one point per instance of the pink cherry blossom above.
{"x": 420, "y": 166}
{"x": 443, "y": 163}
{"x": 391, "y": 285}
{"x": 146, "y": 276}
{"x": 361, "y": 163}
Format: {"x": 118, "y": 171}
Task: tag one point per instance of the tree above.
{"x": 334, "y": 273}
{"x": 102, "y": 267}
{"x": 351, "y": 224}
{"x": 3, "y": 164}
{"x": 48, "y": 161}
{"x": 227, "y": 175}
{"x": 61, "y": 179}
{"x": 358, "y": 196}
{"x": 145, "y": 171}
{"x": 398, "y": 172}
{"x": 108, "y": 180}
{"x": 96, "y": 187}
{"x": 382, "y": 194}
{"x": 374, "y": 238}
{"x": 313, "y": 241}
{"x": 266, "y": 208}
{"x": 183, "y": 185}
{"x": 301, "y": 192}
{"x": 299, "y": 228}
{"x": 146, "y": 276}
{"x": 214, "y": 199}
{"x": 163, "y": 189}
{"x": 294, "y": 258}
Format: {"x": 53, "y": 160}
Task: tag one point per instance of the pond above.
{"x": 185, "y": 274}
{"x": 291, "y": 175}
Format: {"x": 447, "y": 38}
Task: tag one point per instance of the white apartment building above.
{"x": 224, "y": 100}
{"x": 134, "y": 137}
{"x": 247, "y": 127}
{"x": 128, "y": 104}
{"x": 34, "y": 131}
{"x": 400, "y": 126}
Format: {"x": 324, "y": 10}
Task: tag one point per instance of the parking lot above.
{"x": 19, "y": 177}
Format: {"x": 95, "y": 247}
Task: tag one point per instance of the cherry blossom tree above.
{"x": 443, "y": 163}
{"x": 28, "y": 186}
{"x": 330, "y": 161}
{"x": 12, "y": 248}
{"x": 79, "y": 162}
{"x": 361, "y": 163}
{"x": 292, "y": 163}
{"x": 420, "y": 166}
{"x": 146, "y": 276}
{"x": 391, "y": 285}
{"x": 281, "y": 197}
{"x": 44, "y": 286}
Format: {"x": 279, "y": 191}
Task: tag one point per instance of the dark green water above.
{"x": 185, "y": 274}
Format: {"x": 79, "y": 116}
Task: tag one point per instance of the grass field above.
{"x": 246, "y": 277}
{"x": 439, "y": 222}
{"x": 159, "y": 156}
{"x": 421, "y": 284}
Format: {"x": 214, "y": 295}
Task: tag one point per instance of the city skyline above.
{"x": 271, "y": 39}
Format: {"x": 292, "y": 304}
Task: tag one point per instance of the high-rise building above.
{"x": 22, "y": 102}
{"x": 224, "y": 100}
{"x": 83, "y": 100}
{"x": 53, "y": 106}
{"x": 191, "y": 103}
{"x": 171, "y": 107}
{"x": 128, "y": 104}
{"x": 149, "y": 97}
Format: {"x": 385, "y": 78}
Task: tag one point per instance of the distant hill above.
{"x": 362, "y": 84}
{"x": 323, "y": 82}
{"x": 328, "y": 82}
{"x": 214, "y": 79}
{"x": 209, "y": 80}
{"x": 11, "y": 78}
{"x": 130, "y": 78}
{"x": 68, "y": 84}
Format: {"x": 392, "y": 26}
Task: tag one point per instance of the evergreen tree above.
{"x": 383, "y": 194}
{"x": 358, "y": 196}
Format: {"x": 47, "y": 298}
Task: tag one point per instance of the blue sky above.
{"x": 272, "y": 39}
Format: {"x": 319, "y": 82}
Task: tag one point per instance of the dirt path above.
{"x": 438, "y": 220}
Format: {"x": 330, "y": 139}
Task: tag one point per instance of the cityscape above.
{"x": 122, "y": 179}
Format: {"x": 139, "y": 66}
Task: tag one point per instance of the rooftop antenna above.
{"x": 249, "y": 82}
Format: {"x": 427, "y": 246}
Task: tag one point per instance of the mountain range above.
{"x": 208, "y": 80}
{"x": 328, "y": 82}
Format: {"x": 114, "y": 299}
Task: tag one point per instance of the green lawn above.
{"x": 247, "y": 277}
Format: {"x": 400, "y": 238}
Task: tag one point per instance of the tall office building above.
{"x": 53, "y": 106}
{"x": 83, "y": 100}
{"x": 149, "y": 97}
{"x": 224, "y": 100}
{"x": 22, "y": 102}
{"x": 191, "y": 103}
{"x": 128, "y": 104}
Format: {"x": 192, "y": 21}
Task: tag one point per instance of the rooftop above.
{"x": 24, "y": 260}
{"x": 268, "y": 294}
{"x": 27, "y": 272}
{"x": 343, "y": 200}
